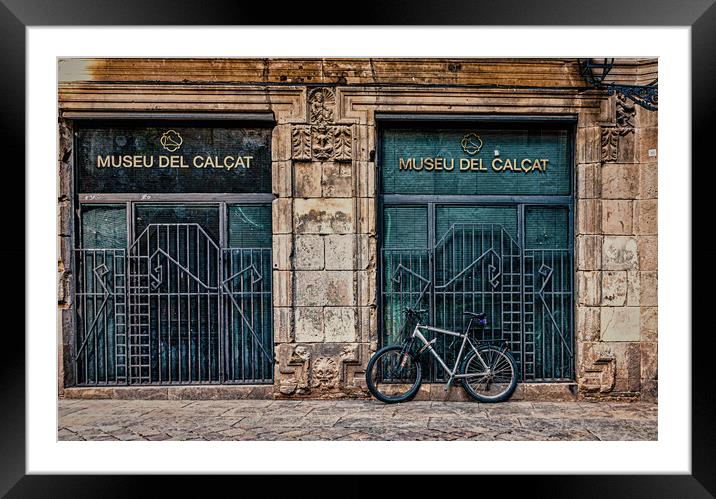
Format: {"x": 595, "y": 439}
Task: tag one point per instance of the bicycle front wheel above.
{"x": 393, "y": 375}
{"x": 491, "y": 380}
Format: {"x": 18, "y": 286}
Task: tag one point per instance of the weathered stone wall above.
{"x": 325, "y": 207}
{"x": 329, "y": 270}
{"x": 65, "y": 277}
{"x": 616, "y": 255}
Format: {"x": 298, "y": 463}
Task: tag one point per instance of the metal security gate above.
{"x": 174, "y": 308}
{"x": 526, "y": 294}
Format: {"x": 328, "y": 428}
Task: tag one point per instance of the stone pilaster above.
{"x": 65, "y": 276}
{"x": 616, "y": 257}
{"x": 331, "y": 255}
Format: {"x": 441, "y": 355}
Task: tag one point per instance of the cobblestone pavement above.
{"x": 353, "y": 420}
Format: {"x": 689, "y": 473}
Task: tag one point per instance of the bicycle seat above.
{"x": 478, "y": 315}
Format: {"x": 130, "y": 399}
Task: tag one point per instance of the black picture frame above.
{"x": 16, "y": 15}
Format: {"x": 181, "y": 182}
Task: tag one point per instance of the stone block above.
{"x": 648, "y": 181}
{"x": 646, "y": 118}
{"x": 589, "y": 181}
{"x": 281, "y": 143}
{"x": 65, "y": 255}
{"x": 367, "y": 286}
{"x": 589, "y": 252}
{"x": 588, "y": 325}
{"x": 649, "y": 391}
{"x": 648, "y": 252}
{"x": 366, "y": 179}
{"x": 307, "y": 181}
{"x": 648, "y": 139}
{"x": 589, "y": 216}
{"x": 64, "y": 180}
{"x": 548, "y": 392}
{"x": 620, "y": 323}
{"x": 645, "y": 217}
{"x": 282, "y": 288}
{"x": 649, "y": 323}
{"x": 589, "y": 144}
{"x": 588, "y": 288}
{"x": 63, "y": 287}
{"x": 366, "y": 252}
{"x": 620, "y": 181}
{"x": 366, "y": 215}
{"x": 88, "y": 393}
{"x": 649, "y": 360}
{"x": 324, "y": 216}
{"x": 140, "y": 393}
{"x": 340, "y": 251}
{"x": 309, "y": 324}
{"x": 66, "y": 376}
{"x": 64, "y": 218}
{"x": 309, "y": 252}
{"x": 281, "y": 211}
{"x": 220, "y": 392}
{"x": 283, "y": 331}
{"x": 627, "y": 152}
{"x": 282, "y": 249}
{"x": 337, "y": 180}
{"x": 365, "y": 138}
{"x": 619, "y": 253}
{"x": 610, "y": 367}
{"x": 633, "y": 298}
{"x": 649, "y": 289}
{"x": 617, "y": 217}
{"x": 368, "y": 330}
{"x": 281, "y": 178}
{"x": 324, "y": 288}
{"x": 340, "y": 324}
{"x": 614, "y": 288}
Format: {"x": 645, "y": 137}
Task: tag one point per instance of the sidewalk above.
{"x": 353, "y": 420}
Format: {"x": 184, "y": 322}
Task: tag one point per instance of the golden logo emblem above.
{"x": 171, "y": 140}
{"x": 471, "y": 143}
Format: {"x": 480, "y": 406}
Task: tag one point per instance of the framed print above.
{"x": 249, "y": 225}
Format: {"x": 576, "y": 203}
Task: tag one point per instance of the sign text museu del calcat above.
{"x": 443, "y": 164}
{"x": 173, "y": 158}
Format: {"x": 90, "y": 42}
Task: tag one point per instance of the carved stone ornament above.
{"x": 624, "y": 125}
{"x": 321, "y": 103}
{"x": 324, "y": 373}
{"x": 296, "y": 367}
{"x": 626, "y": 111}
{"x": 321, "y": 140}
{"x": 610, "y": 144}
{"x": 601, "y": 377}
{"x": 301, "y": 142}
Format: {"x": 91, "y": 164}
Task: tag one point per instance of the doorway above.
{"x": 174, "y": 293}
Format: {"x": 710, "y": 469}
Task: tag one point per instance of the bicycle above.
{"x": 488, "y": 372}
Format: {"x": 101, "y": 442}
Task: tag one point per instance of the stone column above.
{"x": 330, "y": 273}
{"x": 616, "y": 257}
{"x": 65, "y": 278}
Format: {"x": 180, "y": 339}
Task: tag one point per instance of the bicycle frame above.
{"x": 427, "y": 345}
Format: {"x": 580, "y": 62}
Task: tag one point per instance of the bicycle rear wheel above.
{"x": 493, "y": 381}
{"x": 393, "y": 375}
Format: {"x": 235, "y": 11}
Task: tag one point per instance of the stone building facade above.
{"x": 326, "y": 117}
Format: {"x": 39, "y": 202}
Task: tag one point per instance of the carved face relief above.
{"x": 325, "y": 372}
